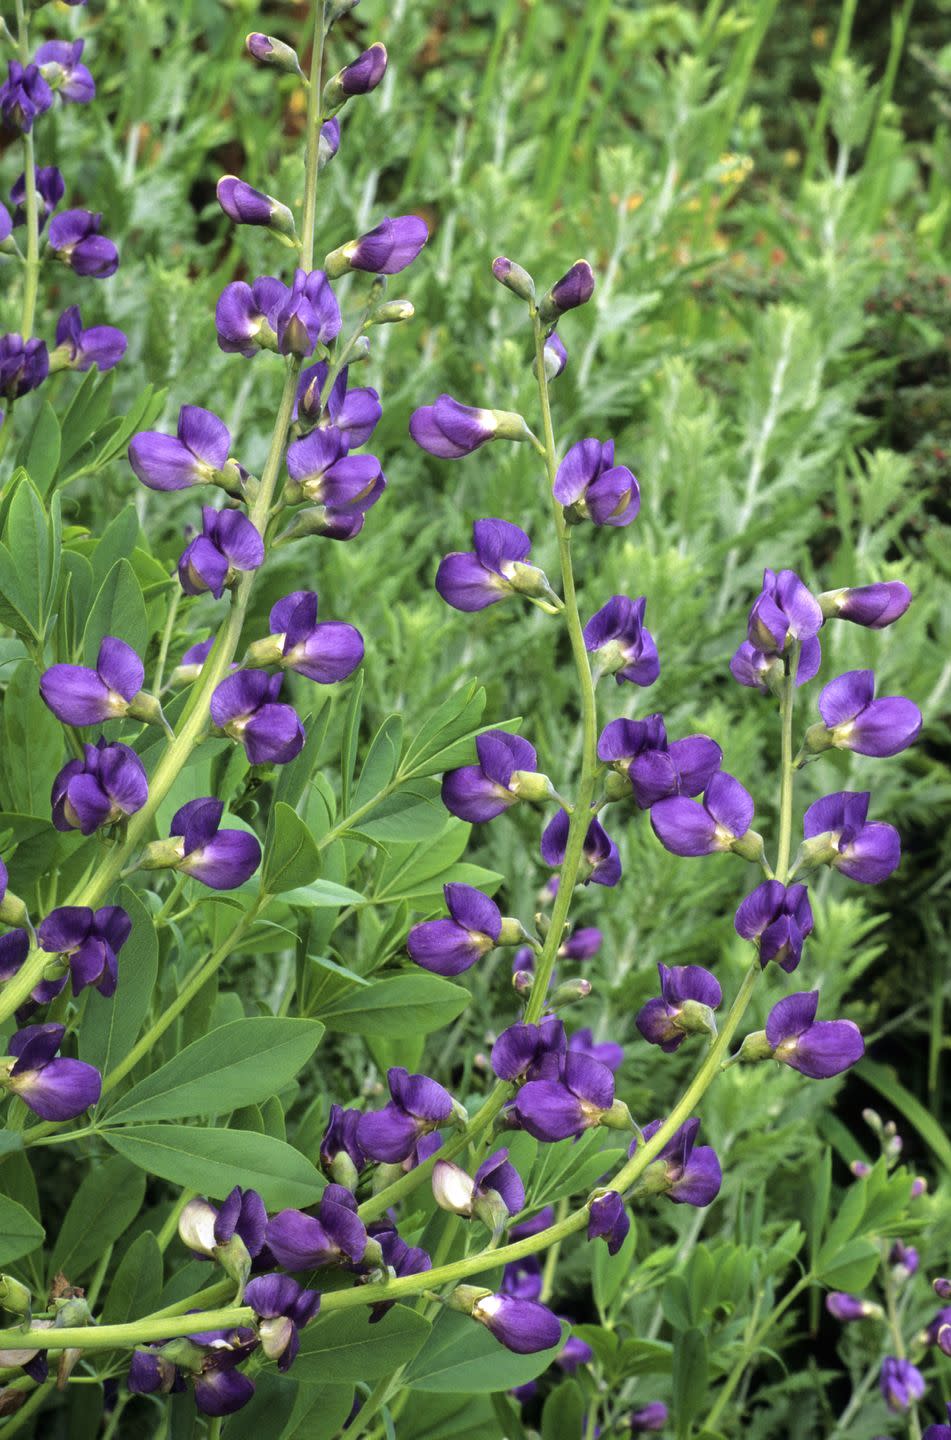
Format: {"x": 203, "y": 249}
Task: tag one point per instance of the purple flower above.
{"x": 386, "y": 250}
{"x": 608, "y": 1220}
{"x": 247, "y": 206}
{"x": 777, "y": 920}
{"x": 334, "y": 1236}
{"x": 59, "y": 62}
{"x": 220, "y": 1388}
{"x": 606, "y": 1052}
{"x": 208, "y": 1230}
{"x": 649, "y": 1419}
{"x": 599, "y": 850}
{"x": 326, "y": 652}
{"x": 530, "y": 1052}
{"x": 399, "y": 1259}
{"x": 50, "y": 189}
{"x": 865, "y": 851}
{"x": 322, "y": 472}
{"x": 656, "y": 769}
{"x": 340, "y": 1151}
{"x": 556, "y": 1109}
{"x": 556, "y": 356}
{"x": 522, "y": 1278}
{"x": 79, "y": 349}
{"x": 24, "y": 365}
{"x": 873, "y": 606}
{"x": 856, "y": 721}
{"x": 246, "y": 315}
{"x": 195, "y": 457}
{"x": 901, "y": 1383}
{"x": 78, "y": 695}
{"x": 523, "y": 1326}
{"x": 574, "y": 288}
{"x": 664, "y": 1021}
{"x": 329, "y": 142}
{"x": 691, "y": 1172}
{"x": 495, "y": 1192}
{"x": 939, "y": 1432}
{"x": 308, "y": 314}
{"x": 785, "y": 612}
{"x": 471, "y": 580}
{"x": 89, "y": 941}
{"x": 355, "y": 412}
{"x": 904, "y": 1257}
{"x": 52, "y": 1087}
{"x": 938, "y": 1332}
{"x": 151, "y": 1373}
{"x": 417, "y": 1107}
{"x": 448, "y": 947}
{"x": 270, "y": 51}
{"x": 574, "y": 1353}
{"x": 686, "y": 827}
{"x": 220, "y": 859}
{"x": 624, "y": 649}
{"x": 283, "y": 1308}
{"x": 75, "y": 239}
{"x": 582, "y": 943}
{"x": 506, "y": 773}
{"x": 817, "y": 1048}
{"x": 245, "y": 706}
{"x": 449, "y": 429}
{"x": 24, "y": 95}
{"x": 761, "y": 671}
{"x": 590, "y": 484}
{"x": 228, "y": 545}
{"x": 849, "y": 1307}
{"x": 192, "y": 662}
{"x": 365, "y": 73}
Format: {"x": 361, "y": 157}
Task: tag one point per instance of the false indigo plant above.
{"x": 382, "y": 1206}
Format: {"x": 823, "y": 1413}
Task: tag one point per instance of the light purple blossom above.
{"x": 661, "y": 1020}
{"x": 53, "y": 1087}
{"x": 690, "y": 828}
{"x": 656, "y": 769}
{"x": 592, "y": 487}
{"x": 855, "y": 720}
{"x": 99, "y": 345}
{"x": 195, "y": 456}
{"x": 228, "y": 545}
{"x": 75, "y": 240}
{"x": 621, "y": 645}
{"x": 778, "y": 920}
{"x": 59, "y": 62}
{"x": 817, "y": 1048}
{"x": 418, "y": 1106}
{"x": 448, "y": 947}
{"x": 867, "y": 851}
{"x": 602, "y": 863}
{"x": 220, "y": 859}
{"x": 326, "y": 651}
{"x": 506, "y": 768}
{"x": 78, "y": 695}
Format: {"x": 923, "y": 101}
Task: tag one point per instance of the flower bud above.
{"x": 942, "y": 1288}
{"x": 523, "y": 982}
{"x": 570, "y": 992}
{"x": 860, "y": 1169}
{"x": 358, "y": 78}
{"x": 465, "y": 1298}
{"x": 531, "y": 785}
{"x": 145, "y": 707}
{"x": 196, "y": 1227}
{"x": 162, "y": 855}
{"x": 749, "y": 846}
{"x": 514, "y": 278}
{"x": 697, "y": 1019}
{"x": 13, "y": 911}
{"x": 574, "y": 288}
{"x": 873, "y": 1120}
{"x": 247, "y": 206}
{"x": 15, "y": 1296}
{"x": 269, "y": 51}
{"x": 329, "y": 142}
{"x": 513, "y": 932}
{"x": 453, "y": 1189}
{"x": 275, "y": 1336}
{"x": 555, "y": 356}
{"x": 618, "y": 1117}
{"x": 918, "y": 1187}
{"x": 392, "y": 312}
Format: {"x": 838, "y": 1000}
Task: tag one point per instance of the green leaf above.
{"x": 407, "y": 1004}
{"x": 213, "y": 1162}
{"x": 137, "y": 1283}
{"x": 461, "y": 1356}
{"x": 117, "y": 610}
{"x": 852, "y": 1267}
{"x": 689, "y": 1378}
{"x": 25, "y": 566}
{"x": 319, "y": 1412}
{"x": 322, "y": 895}
{"x": 268, "y": 1411}
{"x": 291, "y": 856}
{"x": 610, "y": 1271}
{"x": 20, "y": 1234}
{"x": 117, "y": 542}
{"x": 348, "y": 744}
{"x": 379, "y": 767}
{"x": 32, "y": 743}
{"x": 413, "y": 813}
{"x": 111, "y": 1025}
{"x": 563, "y": 1415}
{"x": 41, "y": 458}
{"x": 101, "y": 1210}
{"x": 237, "y": 1064}
{"x": 346, "y": 1347}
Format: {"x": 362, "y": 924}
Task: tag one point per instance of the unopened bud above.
{"x": 343, "y": 1171}
{"x": 13, "y": 911}
{"x": 860, "y": 1169}
{"x": 918, "y": 1187}
{"x": 523, "y": 982}
{"x": 267, "y": 651}
{"x": 531, "y": 785}
{"x": 146, "y": 707}
{"x": 392, "y": 312}
{"x": 618, "y": 1117}
{"x": 453, "y": 1188}
{"x": 513, "y": 932}
{"x": 275, "y": 1336}
{"x": 697, "y": 1019}
{"x": 247, "y": 206}
{"x": 749, "y": 846}
{"x": 491, "y": 1209}
{"x": 873, "y": 1120}
{"x": 358, "y": 78}
{"x": 574, "y": 288}
{"x": 269, "y": 51}
{"x": 162, "y": 855}
{"x": 942, "y": 1288}
{"x": 73, "y": 1312}
{"x": 514, "y": 278}
{"x": 15, "y": 1296}
{"x": 569, "y": 993}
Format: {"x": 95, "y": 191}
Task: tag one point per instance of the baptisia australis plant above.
{"x": 295, "y": 1247}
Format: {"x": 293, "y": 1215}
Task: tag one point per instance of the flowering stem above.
{"x": 31, "y": 269}
{"x": 787, "y": 766}
{"x": 752, "y": 1345}
{"x": 898, "y": 1339}
{"x": 314, "y": 120}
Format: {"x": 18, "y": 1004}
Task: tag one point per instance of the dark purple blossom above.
{"x": 247, "y": 206}
{"x": 608, "y": 1220}
{"x": 228, "y": 545}
{"x": 844, "y": 1307}
{"x": 606, "y": 1052}
{"x": 758, "y": 670}
{"x": 505, "y": 774}
{"x": 841, "y": 836}
{"x": 649, "y": 1419}
{"x": 855, "y": 720}
{"x": 246, "y": 315}
{"x": 90, "y": 942}
{"x": 495, "y": 1192}
{"x": 75, "y": 239}
{"x": 307, "y": 314}
{"x": 556, "y": 356}
{"x": 151, "y": 1373}
{"x": 363, "y": 74}
{"x": 418, "y": 1106}
{"x": 50, "y": 189}
{"x": 777, "y": 919}
{"x": 448, "y": 947}
{"x": 523, "y": 1326}
{"x": 817, "y": 1048}
{"x": 602, "y": 863}
{"x": 522, "y": 1278}
{"x": 329, "y": 142}
{"x": 326, "y": 651}
{"x": 574, "y": 1353}
{"x": 691, "y": 1172}
{"x": 59, "y": 62}
{"x": 873, "y": 606}
{"x": 904, "y": 1257}
{"x": 196, "y": 456}
{"x": 556, "y": 1109}
{"x": 78, "y": 695}
{"x": 592, "y": 487}
{"x": 574, "y": 288}
{"x": 24, "y": 95}
{"x": 354, "y": 412}
{"x": 341, "y": 1154}
{"x": 245, "y": 706}
{"x": 901, "y": 1383}
{"x": 220, "y": 1387}
{"x": 334, "y": 1236}
{"x": 656, "y": 770}
{"x": 323, "y": 473}
{"x": 784, "y": 612}
{"x": 24, "y": 365}
{"x": 667, "y": 1020}
{"x": 385, "y": 250}
{"x": 615, "y": 635}
{"x": 492, "y": 571}
{"x": 582, "y": 943}
{"x": 450, "y": 430}
{"x": 399, "y": 1259}
{"x": 530, "y": 1052}
{"x": 51, "y": 1086}
{"x": 939, "y": 1432}
{"x": 283, "y": 1308}
{"x": 79, "y": 349}
{"x": 234, "y": 1229}
{"x": 220, "y": 859}
{"x": 688, "y": 827}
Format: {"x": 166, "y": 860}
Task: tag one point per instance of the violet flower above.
{"x": 152, "y": 1373}
{"x": 615, "y": 634}
{"x": 79, "y": 349}
{"x": 649, "y": 1420}
{"x": 656, "y": 770}
{"x": 363, "y": 74}
{"x": 24, "y": 95}
{"x": 531, "y": 1052}
{"x": 385, "y": 250}
{"x": 323, "y": 473}
{"x": 221, "y": 1388}
{"x": 399, "y": 1259}
{"x": 50, "y": 189}
{"x": 449, "y": 430}
{"x": 334, "y": 1236}
{"x": 574, "y": 288}
{"x": 418, "y": 1106}
{"x": 107, "y": 785}
{"x": 785, "y": 612}
{"x": 341, "y": 1154}
{"x": 873, "y": 606}
{"x": 689, "y": 1174}
{"x": 208, "y": 1229}
{"x": 522, "y": 1326}
{"x": 689, "y": 995}
{"x": 78, "y": 695}
{"x": 522, "y": 1278}
{"x": 308, "y": 314}
{"x": 847, "y": 1308}
{"x": 59, "y": 62}
{"x": 777, "y": 919}
{"x": 354, "y": 412}
{"x": 193, "y": 660}
{"x": 220, "y": 859}
{"x": 838, "y": 834}
{"x": 939, "y": 1432}
{"x": 228, "y": 545}
{"x": 602, "y": 863}
{"x": 75, "y": 240}
{"x": 245, "y": 706}
{"x": 325, "y": 652}
{"x": 854, "y": 720}
{"x": 901, "y": 1383}
{"x": 283, "y": 1308}
{"x": 687, "y": 827}
{"x": 247, "y": 206}
{"x": 492, "y": 1195}
{"x": 246, "y": 315}
{"x": 758, "y": 670}
{"x": 53, "y": 1087}
{"x": 581, "y": 943}
{"x": 556, "y": 1109}
{"x": 574, "y": 1353}
{"x": 505, "y": 774}
{"x": 556, "y": 356}
{"x": 24, "y": 365}
{"x": 89, "y": 941}
{"x": 492, "y": 571}
{"x": 448, "y": 947}
{"x": 196, "y": 456}
{"x": 592, "y": 487}
{"x": 606, "y": 1052}
{"x": 608, "y": 1220}
{"x": 817, "y": 1048}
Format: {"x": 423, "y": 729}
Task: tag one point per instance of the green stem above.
{"x": 787, "y": 770}
{"x": 751, "y": 1346}
{"x": 166, "y": 640}
{"x": 839, "y": 50}
{"x": 27, "y": 1411}
{"x": 898, "y": 1339}
{"x": 314, "y": 121}
{"x": 31, "y": 268}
